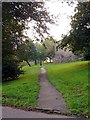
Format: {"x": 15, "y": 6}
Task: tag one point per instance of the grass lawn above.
{"x": 0, "y": 93}
{"x": 71, "y": 79}
{"x": 23, "y": 91}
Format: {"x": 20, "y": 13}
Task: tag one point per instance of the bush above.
{"x": 10, "y": 69}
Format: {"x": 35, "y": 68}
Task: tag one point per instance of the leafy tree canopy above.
{"x": 79, "y": 38}
{"x": 50, "y": 45}
{"x": 15, "y": 15}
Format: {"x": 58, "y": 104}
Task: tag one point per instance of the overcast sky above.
{"x": 63, "y": 11}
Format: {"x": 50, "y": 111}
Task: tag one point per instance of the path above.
{"x": 8, "y": 112}
{"x": 49, "y": 97}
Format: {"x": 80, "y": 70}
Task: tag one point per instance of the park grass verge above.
{"x": 24, "y": 91}
{"x": 71, "y": 79}
{"x": 0, "y": 93}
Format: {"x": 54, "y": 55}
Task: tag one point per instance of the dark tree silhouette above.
{"x": 79, "y": 39}
{"x": 14, "y": 18}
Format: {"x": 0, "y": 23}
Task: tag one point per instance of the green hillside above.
{"x": 71, "y": 79}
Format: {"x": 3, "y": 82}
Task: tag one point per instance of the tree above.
{"x": 41, "y": 52}
{"x": 79, "y": 38}
{"x": 23, "y": 52}
{"x": 32, "y": 52}
{"x": 10, "y": 63}
{"x": 14, "y": 18}
{"x": 49, "y": 45}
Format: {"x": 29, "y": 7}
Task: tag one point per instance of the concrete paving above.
{"x": 8, "y": 112}
{"x": 49, "y": 97}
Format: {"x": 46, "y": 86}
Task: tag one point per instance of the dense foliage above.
{"x": 79, "y": 39}
{"x": 49, "y": 45}
{"x": 15, "y": 15}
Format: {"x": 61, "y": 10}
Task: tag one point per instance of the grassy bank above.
{"x": 71, "y": 79}
{"x": 24, "y": 91}
{"x": 0, "y": 93}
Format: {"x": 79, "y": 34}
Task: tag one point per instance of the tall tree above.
{"x": 41, "y": 52}
{"x": 32, "y": 52}
{"x": 79, "y": 38}
{"x": 49, "y": 45}
{"x": 23, "y": 52}
{"x": 14, "y": 17}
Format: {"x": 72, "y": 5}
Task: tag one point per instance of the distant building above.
{"x": 64, "y": 56}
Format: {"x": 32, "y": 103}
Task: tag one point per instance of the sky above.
{"x": 63, "y": 12}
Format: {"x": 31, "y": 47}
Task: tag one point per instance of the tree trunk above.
{"x": 35, "y": 62}
{"x": 40, "y": 62}
{"x": 50, "y": 60}
{"x": 28, "y": 63}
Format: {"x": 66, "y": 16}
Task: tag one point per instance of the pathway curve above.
{"x": 49, "y": 97}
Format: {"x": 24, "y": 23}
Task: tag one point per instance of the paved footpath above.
{"x": 8, "y": 112}
{"x": 49, "y": 97}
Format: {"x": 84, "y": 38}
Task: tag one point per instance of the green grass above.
{"x": 23, "y": 91}
{"x": 0, "y": 93}
{"x": 71, "y": 79}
